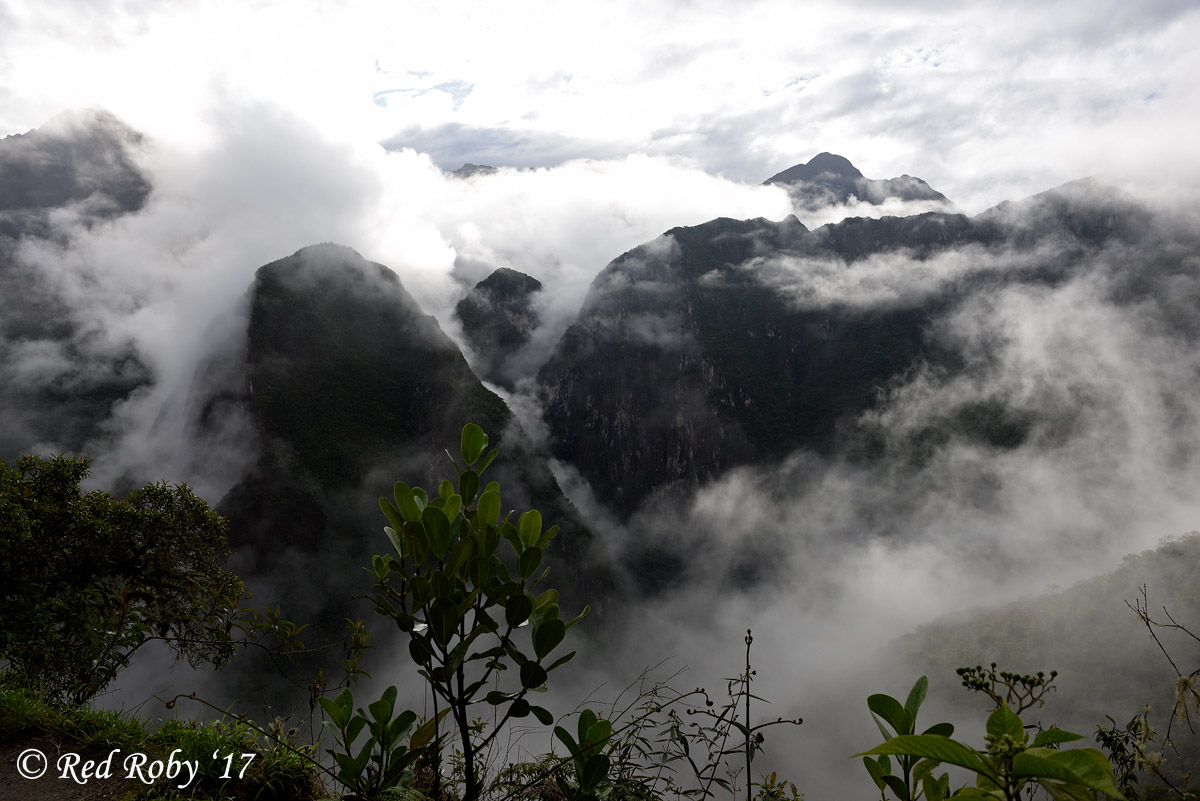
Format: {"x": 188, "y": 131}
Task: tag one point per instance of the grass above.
{"x": 276, "y": 771}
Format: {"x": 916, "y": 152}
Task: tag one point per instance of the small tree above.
{"x": 469, "y": 614}
{"x": 88, "y": 579}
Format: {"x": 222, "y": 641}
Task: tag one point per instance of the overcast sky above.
{"x": 986, "y": 101}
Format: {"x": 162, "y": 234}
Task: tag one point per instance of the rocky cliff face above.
{"x": 737, "y": 342}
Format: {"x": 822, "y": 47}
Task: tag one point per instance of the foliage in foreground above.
{"x": 281, "y": 768}
{"x": 90, "y": 579}
{"x": 1009, "y": 765}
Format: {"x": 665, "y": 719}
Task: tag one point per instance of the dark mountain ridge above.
{"x": 712, "y": 346}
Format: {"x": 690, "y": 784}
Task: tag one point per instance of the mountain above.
{"x": 739, "y": 342}
{"x": 351, "y": 387}
{"x": 829, "y": 180}
{"x": 469, "y": 170}
{"x": 497, "y": 316}
{"x": 57, "y": 384}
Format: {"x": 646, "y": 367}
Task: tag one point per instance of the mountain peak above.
{"x": 821, "y": 165}
{"x": 829, "y": 179}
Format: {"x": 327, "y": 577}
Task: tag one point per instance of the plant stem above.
{"x": 749, "y": 783}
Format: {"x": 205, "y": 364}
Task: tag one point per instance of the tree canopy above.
{"x": 88, "y": 578}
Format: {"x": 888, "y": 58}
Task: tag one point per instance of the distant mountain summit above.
{"x": 470, "y": 170}
{"x": 79, "y": 157}
{"x": 829, "y": 180}
{"x": 497, "y": 317}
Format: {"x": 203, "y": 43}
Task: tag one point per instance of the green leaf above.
{"x": 479, "y": 571}
{"x": 890, "y": 710}
{"x": 517, "y": 609}
{"x": 443, "y": 619}
{"x": 916, "y": 697}
{"x": 932, "y": 788}
{"x": 381, "y": 710}
{"x": 519, "y": 709}
{"x": 543, "y": 715}
{"x": 528, "y": 563}
{"x": 488, "y": 508}
{"x": 394, "y": 539}
{"x": 390, "y": 513}
{"x": 406, "y": 502}
{"x": 487, "y": 460}
{"x": 546, "y": 598}
{"x": 897, "y": 786}
{"x": 933, "y": 746}
{"x": 944, "y": 729}
{"x": 565, "y": 737}
{"x": 876, "y": 770}
{"x": 547, "y": 637}
{"x": 338, "y": 716}
{"x": 437, "y": 527}
{"x": 546, "y": 536}
{"x": 562, "y": 660}
{"x": 468, "y": 486}
{"x": 452, "y": 507}
{"x": 532, "y": 675}
{"x": 587, "y": 719}
{"x": 473, "y": 443}
{"x": 924, "y": 768}
{"x": 531, "y": 528}
{"x": 1054, "y": 736}
{"x": 594, "y": 771}
{"x": 1004, "y": 721}
{"x": 460, "y": 554}
{"x": 424, "y": 733}
{"x": 1090, "y": 765}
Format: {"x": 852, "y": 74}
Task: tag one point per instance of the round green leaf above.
{"x": 532, "y": 675}
{"x": 547, "y": 636}
{"x": 517, "y": 609}
{"x": 529, "y": 561}
{"x": 473, "y": 442}
{"x": 468, "y": 485}
{"x": 489, "y": 508}
{"x": 443, "y": 619}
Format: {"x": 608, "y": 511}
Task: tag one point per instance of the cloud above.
{"x": 981, "y": 107}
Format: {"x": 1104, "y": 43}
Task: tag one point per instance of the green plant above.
{"x": 89, "y": 578}
{"x": 663, "y": 728}
{"x": 282, "y": 768}
{"x": 461, "y": 604}
{"x": 384, "y": 759}
{"x": 588, "y": 759}
{"x": 915, "y": 774}
{"x": 1010, "y": 762}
